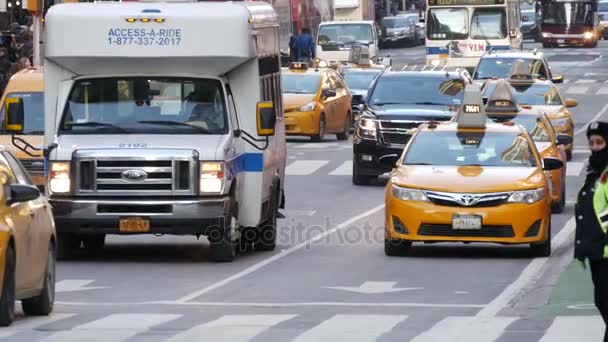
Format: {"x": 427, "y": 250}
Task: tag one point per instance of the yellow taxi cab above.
{"x": 27, "y": 243}
{"x": 24, "y": 92}
{"x": 317, "y": 102}
{"x": 469, "y": 181}
{"x": 502, "y": 107}
{"x": 543, "y": 96}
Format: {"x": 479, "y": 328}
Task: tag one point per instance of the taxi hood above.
{"x": 549, "y": 110}
{"x": 413, "y": 112}
{"x": 297, "y": 100}
{"x": 470, "y": 179}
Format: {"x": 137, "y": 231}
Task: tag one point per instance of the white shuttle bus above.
{"x": 164, "y": 118}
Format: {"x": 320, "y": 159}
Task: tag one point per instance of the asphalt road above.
{"x": 329, "y": 278}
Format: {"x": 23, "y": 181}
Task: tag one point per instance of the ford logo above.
{"x": 134, "y": 175}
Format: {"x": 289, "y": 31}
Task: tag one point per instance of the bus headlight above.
{"x": 588, "y": 35}
{"x": 59, "y": 178}
{"x": 528, "y": 196}
{"x": 211, "y": 178}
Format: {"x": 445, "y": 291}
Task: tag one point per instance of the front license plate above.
{"x": 561, "y": 41}
{"x": 466, "y": 222}
{"x": 134, "y": 225}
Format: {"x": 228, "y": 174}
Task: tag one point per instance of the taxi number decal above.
{"x": 472, "y": 109}
{"x": 145, "y": 37}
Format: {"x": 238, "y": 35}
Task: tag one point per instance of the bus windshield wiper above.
{"x": 174, "y": 123}
{"x": 478, "y": 25}
{"x": 95, "y": 124}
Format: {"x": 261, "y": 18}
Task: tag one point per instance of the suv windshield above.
{"x": 345, "y": 34}
{"x": 533, "y": 95}
{"x": 470, "y": 149}
{"x": 420, "y": 91}
{"x": 398, "y": 22}
{"x": 141, "y": 105}
{"x": 567, "y": 13}
{"x": 33, "y": 111}
{"x": 489, "y": 23}
{"x": 360, "y": 79}
{"x": 300, "y": 84}
{"x": 447, "y": 24}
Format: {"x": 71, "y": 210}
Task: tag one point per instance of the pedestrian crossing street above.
{"x": 169, "y": 327}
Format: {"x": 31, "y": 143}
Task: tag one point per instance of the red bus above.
{"x": 569, "y": 22}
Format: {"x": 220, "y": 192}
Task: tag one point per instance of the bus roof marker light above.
{"x": 144, "y": 20}
{"x": 131, "y": 20}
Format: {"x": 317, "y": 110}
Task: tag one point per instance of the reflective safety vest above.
{"x": 600, "y": 206}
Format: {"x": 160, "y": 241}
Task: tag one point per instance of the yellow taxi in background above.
{"x": 469, "y": 181}
{"x": 25, "y": 91}
{"x": 27, "y": 244}
{"x": 502, "y": 107}
{"x": 543, "y": 96}
{"x": 317, "y": 102}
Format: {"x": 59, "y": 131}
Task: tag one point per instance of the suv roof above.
{"x": 422, "y": 69}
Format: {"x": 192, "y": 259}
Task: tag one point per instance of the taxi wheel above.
{"x": 267, "y": 237}
{"x": 67, "y": 245}
{"x": 43, "y": 304}
{"x": 322, "y": 129}
{"x": 396, "y": 247}
{"x": 568, "y": 155}
{"x": 347, "y": 125}
{"x": 559, "y": 207}
{"x": 543, "y": 249}
{"x": 223, "y": 247}
{"x": 7, "y": 302}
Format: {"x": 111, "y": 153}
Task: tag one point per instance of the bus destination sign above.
{"x": 464, "y": 2}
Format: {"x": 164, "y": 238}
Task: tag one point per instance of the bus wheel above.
{"x": 267, "y": 236}
{"x": 221, "y": 239}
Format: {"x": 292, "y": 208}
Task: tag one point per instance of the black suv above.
{"x": 397, "y": 104}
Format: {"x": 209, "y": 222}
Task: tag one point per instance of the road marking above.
{"x": 72, "y": 285}
{"x": 317, "y": 146}
{"x": 464, "y": 329}
{"x": 585, "y": 81}
{"x": 602, "y": 91}
{"x": 575, "y": 328}
{"x": 581, "y": 152}
{"x": 595, "y": 118}
{"x": 292, "y": 213}
{"x": 577, "y": 90}
{"x": 374, "y": 287}
{"x": 346, "y": 169}
{"x": 528, "y": 276}
{"x": 352, "y": 328}
{"x": 276, "y": 257}
{"x": 234, "y": 328}
{"x": 304, "y": 167}
{"x": 30, "y": 323}
{"x": 574, "y": 168}
{"x": 112, "y": 328}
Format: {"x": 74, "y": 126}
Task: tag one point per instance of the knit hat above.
{"x": 598, "y": 128}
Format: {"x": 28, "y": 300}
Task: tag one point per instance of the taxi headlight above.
{"x": 309, "y": 107}
{"x": 59, "y": 178}
{"x": 367, "y": 128}
{"x": 588, "y": 35}
{"x": 560, "y": 122}
{"x": 528, "y": 196}
{"x": 211, "y": 178}
{"x": 406, "y": 194}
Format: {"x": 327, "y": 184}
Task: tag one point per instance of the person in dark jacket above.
{"x": 591, "y": 210}
{"x": 304, "y": 46}
{"x": 292, "y": 48}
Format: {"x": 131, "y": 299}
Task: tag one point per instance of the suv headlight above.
{"x": 528, "y": 196}
{"x": 59, "y": 178}
{"x": 407, "y": 194}
{"x": 560, "y": 122}
{"x": 211, "y": 178}
{"x": 367, "y": 128}
{"x": 309, "y": 107}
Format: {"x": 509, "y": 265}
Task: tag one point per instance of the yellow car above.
{"x": 26, "y": 87}
{"x": 543, "y": 96}
{"x": 469, "y": 181}
{"x": 503, "y": 108}
{"x": 27, "y": 244}
{"x": 317, "y": 102}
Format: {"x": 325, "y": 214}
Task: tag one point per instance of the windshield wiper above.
{"x": 429, "y": 103}
{"x": 482, "y": 31}
{"x": 417, "y": 164}
{"x": 174, "y": 123}
{"x": 388, "y": 103}
{"x": 96, "y": 124}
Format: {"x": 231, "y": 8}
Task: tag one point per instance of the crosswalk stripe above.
{"x": 31, "y": 323}
{"x": 585, "y": 81}
{"x": 575, "y": 328}
{"x": 112, "y": 328}
{"x": 346, "y": 169}
{"x": 574, "y": 168}
{"x": 304, "y": 167}
{"x": 352, "y": 328}
{"x": 317, "y": 145}
{"x": 464, "y": 329}
{"x": 234, "y": 328}
{"x": 602, "y": 91}
{"x": 577, "y": 90}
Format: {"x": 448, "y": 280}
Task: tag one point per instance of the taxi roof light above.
{"x": 521, "y": 74}
{"x": 502, "y": 100}
{"x": 472, "y": 113}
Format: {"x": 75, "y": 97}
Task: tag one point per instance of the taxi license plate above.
{"x": 466, "y": 222}
{"x": 134, "y": 225}
{"x": 561, "y": 41}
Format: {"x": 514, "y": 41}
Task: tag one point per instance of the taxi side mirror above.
{"x": 571, "y": 103}
{"x": 266, "y": 119}
{"x": 389, "y": 160}
{"x": 15, "y": 116}
{"x": 22, "y": 193}
{"x": 550, "y": 164}
{"x": 563, "y": 139}
{"x": 327, "y": 93}
{"x": 558, "y": 79}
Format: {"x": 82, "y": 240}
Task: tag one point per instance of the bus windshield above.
{"x": 447, "y": 24}
{"x": 489, "y": 23}
{"x": 344, "y": 34}
{"x": 603, "y": 6}
{"x": 567, "y": 13}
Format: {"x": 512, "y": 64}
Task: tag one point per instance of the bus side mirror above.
{"x": 14, "y": 115}
{"x": 266, "y": 119}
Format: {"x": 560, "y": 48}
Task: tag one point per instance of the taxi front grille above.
{"x": 447, "y": 230}
{"x": 452, "y": 203}
{"x": 468, "y": 200}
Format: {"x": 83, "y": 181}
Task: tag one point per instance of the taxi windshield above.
{"x": 360, "y": 79}
{"x": 535, "y": 127}
{"x": 533, "y": 95}
{"x": 301, "y": 84}
{"x": 500, "y": 149}
{"x": 496, "y": 67}
{"x": 33, "y": 111}
{"x": 420, "y": 91}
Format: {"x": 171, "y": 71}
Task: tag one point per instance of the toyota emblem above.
{"x": 134, "y": 175}
{"x": 468, "y": 200}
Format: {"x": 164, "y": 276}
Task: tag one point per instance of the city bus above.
{"x": 458, "y": 32}
{"x": 570, "y": 22}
